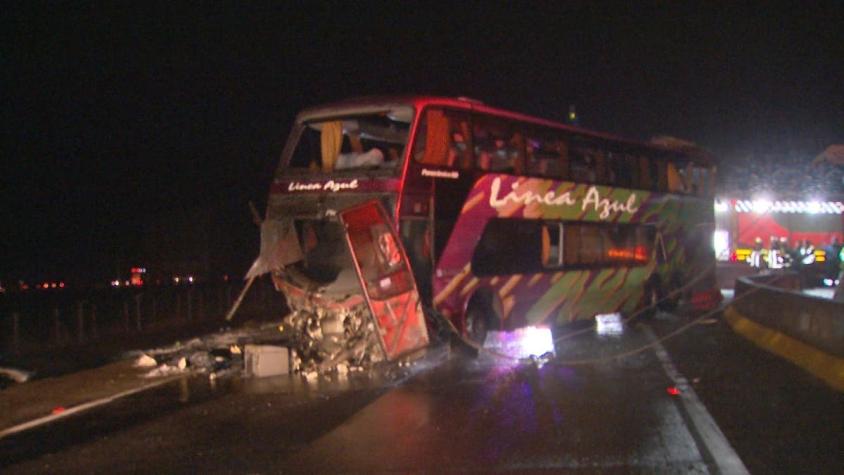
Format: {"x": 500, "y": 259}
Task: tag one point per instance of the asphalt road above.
{"x": 735, "y": 407}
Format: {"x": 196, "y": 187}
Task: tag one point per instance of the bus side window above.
{"x": 662, "y": 174}
{"x": 620, "y": 170}
{"x": 492, "y": 143}
{"x": 712, "y": 177}
{"x": 582, "y": 166}
{"x": 645, "y": 182}
{"x": 547, "y": 155}
{"x": 518, "y": 151}
{"x": 700, "y": 180}
{"x": 676, "y": 184}
{"x": 601, "y": 172}
{"x": 552, "y": 246}
{"x": 508, "y": 246}
{"x": 443, "y": 139}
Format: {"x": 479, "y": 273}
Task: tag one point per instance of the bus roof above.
{"x": 381, "y": 103}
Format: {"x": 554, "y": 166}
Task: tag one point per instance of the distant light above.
{"x": 761, "y": 206}
{"x": 176, "y": 279}
{"x": 126, "y": 283}
{"x": 61, "y": 285}
{"x": 721, "y": 206}
{"x": 190, "y": 279}
{"x": 721, "y": 243}
{"x": 672, "y": 390}
{"x": 53, "y": 285}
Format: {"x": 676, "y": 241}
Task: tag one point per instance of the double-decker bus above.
{"x": 492, "y": 218}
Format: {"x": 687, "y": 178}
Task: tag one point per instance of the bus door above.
{"x": 385, "y": 278}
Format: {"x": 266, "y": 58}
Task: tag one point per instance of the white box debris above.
{"x": 266, "y": 360}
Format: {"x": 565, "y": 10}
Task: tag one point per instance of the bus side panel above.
{"x": 562, "y": 295}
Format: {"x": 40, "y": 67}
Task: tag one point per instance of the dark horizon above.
{"x": 125, "y": 126}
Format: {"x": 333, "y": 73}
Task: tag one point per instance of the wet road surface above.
{"x": 602, "y": 414}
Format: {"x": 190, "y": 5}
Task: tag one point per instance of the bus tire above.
{"x": 650, "y": 301}
{"x": 669, "y": 297}
{"x": 480, "y": 318}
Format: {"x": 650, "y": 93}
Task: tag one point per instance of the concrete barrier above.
{"x": 777, "y": 303}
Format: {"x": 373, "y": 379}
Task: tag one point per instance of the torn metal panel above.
{"x": 279, "y": 247}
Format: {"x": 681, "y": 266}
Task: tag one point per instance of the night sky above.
{"x": 135, "y": 132}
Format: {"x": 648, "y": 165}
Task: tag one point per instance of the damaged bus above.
{"x": 383, "y": 207}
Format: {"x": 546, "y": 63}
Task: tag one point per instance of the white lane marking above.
{"x": 726, "y": 459}
{"x": 82, "y": 407}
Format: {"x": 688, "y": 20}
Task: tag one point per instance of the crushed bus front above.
{"x": 332, "y": 248}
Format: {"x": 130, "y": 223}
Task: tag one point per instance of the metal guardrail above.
{"x": 35, "y": 320}
{"x": 777, "y": 303}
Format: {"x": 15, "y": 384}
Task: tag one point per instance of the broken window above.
{"x": 364, "y": 141}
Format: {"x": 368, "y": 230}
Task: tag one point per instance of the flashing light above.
{"x": 761, "y": 206}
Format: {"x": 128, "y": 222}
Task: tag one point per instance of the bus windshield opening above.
{"x": 372, "y": 141}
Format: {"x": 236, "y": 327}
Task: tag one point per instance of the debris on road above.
{"x": 14, "y": 375}
{"x": 215, "y": 354}
{"x": 266, "y": 360}
{"x": 145, "y": 361}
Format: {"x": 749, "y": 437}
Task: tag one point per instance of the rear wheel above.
{"x": 477, "y": 323}
{"x": 669, "y": 296}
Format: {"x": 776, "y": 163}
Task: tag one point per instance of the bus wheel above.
{"x": 669, "y": 297}
{"x": 481, "y": 316}
{"x": 477, "y": 323}
{"x": 650, "y": 302}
